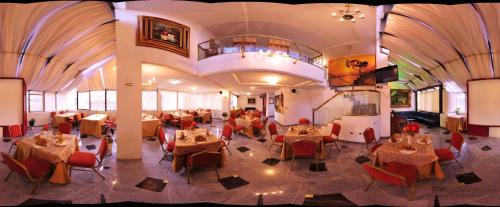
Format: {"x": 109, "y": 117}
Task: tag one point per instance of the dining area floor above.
{"x": 275, "y": 182}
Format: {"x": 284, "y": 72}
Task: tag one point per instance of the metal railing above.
{"x": 265, "y": 44}
{"x": 347, "y": 103}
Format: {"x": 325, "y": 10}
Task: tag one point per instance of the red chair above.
{"x": 304, "y": 121}
{"x": 15, "y": 134}
{"x": 65, "y": 128}
{"x": 278, "y": 140}
{"x": 227, "y": 132}
{"x": 203, "y": 159}
{"x": 261, "y": 126}
{"x": 160, "y": 133}
{"x": 445, "y": 154}
{"x": 53, "y": 114}
{"x": 33, "y": 168}
{"x": 236, "y": 128}
{"x": 88, "y": 160}
{"x": 46, "y": 127}
{"x": 257, "y": 114}
{"x": 173, "y": 121}
{"x": 412, "y": 127}
{"x": 329, "y": 140}
{"x": 83, "y": 115}
{"x": 394, "y": 173}
{"x": 304, "y": 149}
{"x": 62, "y": 112}
{"x": 369, "y": 135}
{"x": 187, "y": 124}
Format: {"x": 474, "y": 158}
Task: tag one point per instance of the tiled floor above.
{"x": 282, "y": 186}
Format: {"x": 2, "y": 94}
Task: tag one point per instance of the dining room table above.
{"x": 206, "y": 116}
{"x": 186, "y": 144}
{"x": 149, "y": 125}
{"x": 422, "y": 156}
{"x": 292, "y": 135}
{"x": 246, "y": 121}
{"x": 92, "y": 125}
{"x": 53, "y": 152}
{"x": 61, "y": 118}
{"x": 456, "y": 123}
{"x": 183, "y": 116}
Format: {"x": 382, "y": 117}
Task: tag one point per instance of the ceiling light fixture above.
{"x": 194, "y": 88}
{"x": 273, "y": 80}
{"x": 248, "y": 93}
{"x": 174, "y": 82}
{"x": 253, "y": 87}
{"x": 348, "y": 14}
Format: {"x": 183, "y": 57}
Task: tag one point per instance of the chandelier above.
{"x": 348, "y": 14}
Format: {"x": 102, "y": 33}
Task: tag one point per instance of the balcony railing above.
{"x": 268, "y": 45}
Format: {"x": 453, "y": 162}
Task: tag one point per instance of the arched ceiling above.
{"x": 447, "y": 44}
{"x": 54, "y": 44}
{"x": 309, "y": 24}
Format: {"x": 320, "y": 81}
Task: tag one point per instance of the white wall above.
{"x": 296, "y": 105}
{"x": 270, "y": 106}
{"x": 243, "y": 102}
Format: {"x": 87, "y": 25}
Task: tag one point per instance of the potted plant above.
{"x": 32, "y": 122}
{"x": 224, "y": 115}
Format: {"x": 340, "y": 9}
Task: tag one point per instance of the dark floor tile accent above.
{"x": 473, "y": 138}
{"x": 468, "y": 178}
{"x": 271, "y": 161}
{"x": 262, "y": 140}
{"x": 233, "y": 182}
{"x": 33, "y": 201}
{"x": 446, "y": 132}
{"x": 336, "y": 199}
{"x": 6, "y": 140}
{"x": 243, "y": 149}
{"x": 321, "y": 167}
{"x": 361, "y": 159}
{"x": 447, "y": 141}
{"x": 152, "y": 184}
{"x": 152, "y": 139}
{"x": 90, "y": 147}
{"x": 486, "y": 148}
{"x": 107, "y": 167}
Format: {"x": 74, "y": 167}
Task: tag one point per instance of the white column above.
{"x": 385, "y": 99}
{"x": 128, "y": 90}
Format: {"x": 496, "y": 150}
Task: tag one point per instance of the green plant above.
{"x": 224, "y": 114}
{"x": 32, "y": 122}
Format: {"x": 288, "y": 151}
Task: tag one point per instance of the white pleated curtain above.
{"x": 72, "y": 35}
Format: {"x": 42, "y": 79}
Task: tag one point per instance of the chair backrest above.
{"x": 457, "y": 140}
{"x": 83, "y": 115}
{"x": 46, "y": 127}
{"x": 53, "y": 114}
{"x": 413, "y": 127}
{"x": 369, "y": 135}
{"x": 227, "y": 132}
{"x": 203, "y": 159}
{"x": 231, "y": 122}
{"x": 65, "y": 128}
{"x": 382, "y": 175}
{"x": 304, "y": 121}
{"x": 160, "y": 133}
{"x": 257, "y": 114}
{"x": 15, "y": 165}
{"x": 61, "y": 112}
{"x": 186, "y": 124}
{"x": 255, "y": 121}
{"x": 304, "y": 147}
{"x": 78, "y": 117}
{"x": 272, "y": 129}
{"x": 265, "y": 121}
{"x": 336, "y": 129}
{"x": 103, "y": 148}
{"x": 15, "y": 130}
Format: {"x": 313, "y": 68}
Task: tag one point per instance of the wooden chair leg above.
{"x": 316, "y": 161}
{"x": 36, "y": 185}
{"x": 411, "y": 190}
{"x": 369, "y": 185}
{"x": 269, "y": 149}
{"x": 164, "y": 156}
{"x": 11, "y": 146}
{"x": 459, "y": 164}
{"x": 217, "y": 172}
{"x": 188, "y": 175}
{"x": 8, "y": 176}
{"x": 99, "y": 174}
{"x": 293, "y": 159}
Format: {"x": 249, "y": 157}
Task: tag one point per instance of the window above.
{"x": 428, "y": 100}
{"x": 168, "y": 100}
{"x": 234, "y": 101}
{"x": 35, "y": 101}
{"x": 149, "y": 101}
{"x": 71, "y": 103}
{"x": 110, "y": 100}
{"x": 194, "y": 101}
{"x": 456, "y": 101}
{"x": 50, "y": 102}
{"x": 98, "y": 100}
{"x": 83, "y": 100}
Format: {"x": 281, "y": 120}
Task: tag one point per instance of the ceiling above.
{"x": 309, "y": 24}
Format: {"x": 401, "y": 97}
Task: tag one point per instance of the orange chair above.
{"x": 65, "y": 128}
{"x": 88, "y": 160}
{"x": 236, "y": 128}
{"x": 15, "y": 134}
{"x": 227, "y": 132}
{"x": 278, "y": 140}
{"x": 304, "y": 121}
{"x": 33, "y": 168}
{"x": 203, "y": 159}
{"x": 369, "y": 135}
{"x": 304, "y": 149}
{"x": 412, "y": 127}
{"x": 160, "y": 133}
{"x": 394, "y": 173}
{"x": 329, "y": 140}
{"x": 445, "y": 154}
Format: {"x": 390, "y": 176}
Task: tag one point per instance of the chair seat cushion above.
{"x": 171, "y": 146}
{"x": 280, "y": 138}
{"x": 36, "y": 167}
{"x": 444, "y": 154}
{"x": 405, "y": 170}
{"x": 328, "y": 139}
{"x": 239, "y": 127}
{"x": 82, "y": 159}
{"x": 374, "y": 148}
{"x": 258, "y": 126}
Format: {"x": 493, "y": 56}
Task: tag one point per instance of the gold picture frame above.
{"x": 400, "y": 98}
{"x": 163, "y": 34}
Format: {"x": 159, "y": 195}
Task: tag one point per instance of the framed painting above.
{"x": 251, "y": 100}
{"x": 278, "y": 103}
{"x": 400, "y": 98}
{"x": 271, "y": 100}
{"x": 352, "y": 70}
{"x": 163, "y": 34}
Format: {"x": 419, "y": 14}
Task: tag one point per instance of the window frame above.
{"x": 78, "y": 101}
{"x": 43, "y": 100}
{"x": 90, "y": 100}
{"x": 106, "y": 100}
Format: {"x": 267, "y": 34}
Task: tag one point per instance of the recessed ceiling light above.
{"x": 194, "y": 88}
{"x": 272, "y": 79}
{"x": 154, "y": 79}
{"x": 248, "y": 93}
{"x": 253, "y": 87}
{"x": 174, "y": 82}
{"x": 114, "y": 68}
